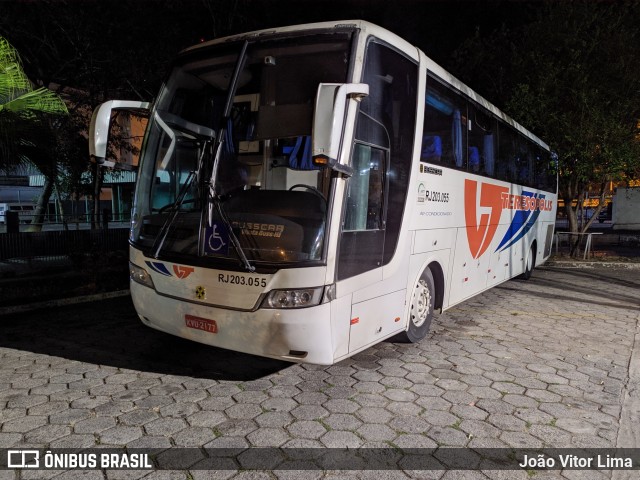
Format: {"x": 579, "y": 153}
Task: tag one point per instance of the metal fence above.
{"x": 53, "y": 244}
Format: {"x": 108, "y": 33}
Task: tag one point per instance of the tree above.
{"x": 25, "y": 128}
{"x": 104, "y": 51}
{"x": 571, "y": 76}
{"x": 21, "y": 111}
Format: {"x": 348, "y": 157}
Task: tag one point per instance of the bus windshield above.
{"x": 273, "y": 197}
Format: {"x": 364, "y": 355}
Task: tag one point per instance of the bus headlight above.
{"x": 298, "y": 298}
{"x": 140, "y": 275}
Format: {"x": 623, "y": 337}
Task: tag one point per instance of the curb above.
{"x": 62, "y": 302}
{"x": 587, "y": 264}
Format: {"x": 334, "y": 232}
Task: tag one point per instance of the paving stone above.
{"x": 576, "y": 426}
{"x": 521, "y": 440}
{"x": 469, "y": 412}
{"x": 374, "y": 415}
{"x": 8, "y": 440}
{"x": 114, "y": 408}
{"x": 268, "y": 437}
{"x": 206, "y": 419}
{"x": 24, "y": 424}
{"x": 369, "y": 387}
{"x": 550, "y": 435}
{"x": 120, "y": 435}
{"x": 193, "y": 437}
{"x": 457, "y": 397}
{"x": 409, "y": 425}
{"x": 433, "y": 403}
{"x": 373, "y": 432}
{"x": 222, "y": 390}
{"x": 307, "y": 429}
{"x": 250, "y": 396}
{"x": 342, "y": 421}
{"x": 495, "y": 406}
{"x": 178, "y": 410}
{"x": 370, "y": 399}
{"x": 340, "y": 439}
{"x": 94, "y": 425}
{"x": 274, "y": 419}
{"x": 439, "y": 418}
{"x": 74, "y": 441}
{"x": 507, "y": 422}
{"x": 216, "y": 403}
{"x": 283, "y": 391}
{"x": 404, "y": 409}
{"x": 243, "y": 411}
{"x": 26, "y": 401}
{"x": 341, "y": 405}
{"x": 311, "y": 398}
{"x": 279, "y": 404}
{"x": 447, "y": 436}
{"x": 309, "y": 412}
{"x": 46, "y": 434}
{"x": 165, "y": 426}
{"x": 137, "y": 417}
{"x": 89, "y": 402}
{"x": 71, "y": 416}
{"x": 237, "y": 427}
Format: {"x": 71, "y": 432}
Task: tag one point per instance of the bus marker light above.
{"x": 397, "y": 319}
{"x": 355, "y": 320}
{"x": 198, "y": 323}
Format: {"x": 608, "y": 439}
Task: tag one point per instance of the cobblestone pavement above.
{"x": 526, "y": 364}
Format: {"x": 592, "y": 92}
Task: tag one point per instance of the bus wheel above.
{"x": 529, "y": 266}
{"x": 422, "y": 306}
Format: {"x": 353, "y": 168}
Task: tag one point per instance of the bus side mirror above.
{"x": 100, "y": 124}
{"x": 328, "y": 122}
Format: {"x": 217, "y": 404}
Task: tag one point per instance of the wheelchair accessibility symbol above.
{"x": 216, "y": 239}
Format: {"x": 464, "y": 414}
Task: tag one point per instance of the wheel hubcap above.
{"x": 421, "y": 303}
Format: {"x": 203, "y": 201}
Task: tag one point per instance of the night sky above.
{"x": 60, "y": 41}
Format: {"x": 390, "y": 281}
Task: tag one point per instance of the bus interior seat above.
{"x": 431, "y": 148}
{"x": 474, "y": 159}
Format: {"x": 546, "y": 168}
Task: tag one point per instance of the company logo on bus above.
{"x": 492, "y": 200}
{"x": 180, "y": 271}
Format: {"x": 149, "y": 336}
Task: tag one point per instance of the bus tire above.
{"x": 421, "y": 308}
{"x": 529, "y": 264}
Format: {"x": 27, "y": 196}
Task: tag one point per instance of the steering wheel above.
{"x": 313, "y": 190}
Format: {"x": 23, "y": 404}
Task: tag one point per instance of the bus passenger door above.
{"x": 376, "y": 195}
{"x": 362, "y": 240}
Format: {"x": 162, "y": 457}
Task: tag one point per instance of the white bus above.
{"x": 306, "y": 192}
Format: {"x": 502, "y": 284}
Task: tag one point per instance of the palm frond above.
{"x": 8, "y": 54}
{"x": 13, "y": 80}
{"x": 13, "y": 83}
{"x": 40, "y": 100}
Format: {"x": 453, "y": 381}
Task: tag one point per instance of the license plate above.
{"x": 199, "y": 323}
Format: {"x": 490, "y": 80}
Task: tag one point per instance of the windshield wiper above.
{"x": 213, "y": 197}
{"x": 177, "y": 205}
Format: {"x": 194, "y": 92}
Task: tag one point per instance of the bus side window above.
{"x": 364, "y": 195}
{"x": 507, "y": 151}
{"x": 444, "y": 139}
{"x": 482, "y": 141}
